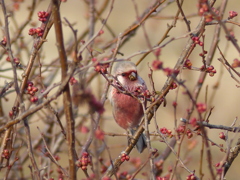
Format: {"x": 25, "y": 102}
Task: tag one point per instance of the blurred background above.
{"x": 225, "y": 99}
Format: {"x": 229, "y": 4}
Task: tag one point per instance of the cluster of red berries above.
{"x": 168, "y": 71}
{"x": 124, "y": 157}
{"x": 203, "y": 7}
{"x": 100, "y": 67}
{"x": 84, "y": 161}
{"x": 16, "y": 60}
{"x": 188, "y": 64}
{"x": 72, "y": 81}
{"x": 191, "y": 177}
{"x": 232, "y": 14}
{"x": 204, "y": 11}
{"x": 157, "y": 64}
{"x": 42, "y": 16}
{"x": 181, "y": 129}
{"x": 222, "y": 136}
{"x": 148, "y": 95}
{"x": 166, "y": 131}
{"x": 31, "y": 90}
{"x": 189, "y": 133}
{"x": 6, "y": 154}
{"x": 209, "y": 17}
{"x": 236, "y": 63}
{"x": 201, "y": 107}
{"x": 36, "y": 31}
{"x": 196, "y": 40}
{"x": 210, "y": 70}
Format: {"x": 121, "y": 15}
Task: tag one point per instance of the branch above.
{"x": 213, "y": 126}
{"x": 232, "y": 155}
{"x": 67, "y": 101}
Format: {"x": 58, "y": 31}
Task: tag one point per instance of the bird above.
{"x": 127, "y": 110}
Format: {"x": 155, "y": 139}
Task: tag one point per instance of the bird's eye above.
{"x": 123, "y": 74}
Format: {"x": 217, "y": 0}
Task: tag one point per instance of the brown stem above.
{"x": 67, "y": 101}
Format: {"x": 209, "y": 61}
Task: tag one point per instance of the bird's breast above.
{"x": 127, "y": 110}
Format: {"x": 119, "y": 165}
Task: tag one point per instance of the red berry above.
{"x": 10, "y": 114}
{"x": 4, "y": 41}
{"x": 29, "y": 88}
{"x": 16, "y": 60}
{"x": 42, "y": 16}
{"x": 222, "y": 136}
{"x": 100, "y": 32}
{"x": 156, "y": 64}
{"x": 232, "y": 14}
{"x": 31, "y": 93}
{"x": 32, "y": 31}
{"x": 34, "y": 89}
{"x": 201, "y": 107}
{"x": 34, "y": 99}
{"x": 30, "y": 83}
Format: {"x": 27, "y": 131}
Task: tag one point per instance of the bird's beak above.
{"x": 132, "y": 76}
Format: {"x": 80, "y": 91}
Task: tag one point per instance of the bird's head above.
{"x": 125, "y": 72}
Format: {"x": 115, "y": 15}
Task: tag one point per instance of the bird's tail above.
{"x": 142, "y": 143}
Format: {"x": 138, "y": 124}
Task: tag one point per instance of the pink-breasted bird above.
{"x": 127, "y": 110}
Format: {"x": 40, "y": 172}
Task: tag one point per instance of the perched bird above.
{"x": 127, "y": 110}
